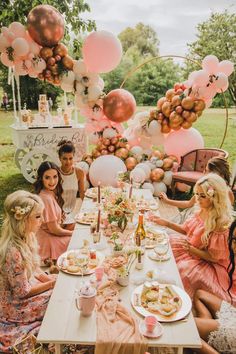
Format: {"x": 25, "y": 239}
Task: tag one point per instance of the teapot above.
{"x": 85, "y": 302}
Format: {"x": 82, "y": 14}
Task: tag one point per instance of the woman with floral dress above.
{"x": 24, "y": 289}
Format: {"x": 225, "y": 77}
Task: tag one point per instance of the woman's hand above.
{"x": 157, "y": 220}
{"x": 163, "y": 197}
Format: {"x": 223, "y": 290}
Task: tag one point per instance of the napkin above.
{"x": 117, "y": 329}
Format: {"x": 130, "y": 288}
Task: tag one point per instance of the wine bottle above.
{"x": 140, "y": 233}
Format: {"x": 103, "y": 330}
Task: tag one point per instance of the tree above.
{"x": 216, "y": 36}
{"x": 17, "y": 10}
{"x": 143, "y": 38}
{"x": 153, "y": 80}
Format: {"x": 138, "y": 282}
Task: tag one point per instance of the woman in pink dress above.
{"x": 201, "y": 252}
{"x": 53, "y": 239}
{"x": 24, "y": 289}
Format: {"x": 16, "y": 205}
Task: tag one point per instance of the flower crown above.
{"x": 20, "y": 212}
{"x": 210, "y": 191}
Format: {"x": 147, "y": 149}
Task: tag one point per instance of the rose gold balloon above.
{"x": 122, "y": 153}
{"x": 130, "y": 163}
{"x": 173, "y": 158}
{"x": 157, "y": 175}
{"x": 167, "y": 164}
{"x": 158, "y": 154}
{"x": 119, "y": 105}
{"x": 45, "y": 25}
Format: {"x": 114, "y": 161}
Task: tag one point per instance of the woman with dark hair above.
{"x": 72, "y": 180}
{"x": 53, "y": 239}
{"x": 216, "y": 319}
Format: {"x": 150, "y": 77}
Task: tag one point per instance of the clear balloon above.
{"x": 102, "y": 51}
{"x": 5, "y": 60}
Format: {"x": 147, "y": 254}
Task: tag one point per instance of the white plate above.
{"x": 183, "y": 311}
{"x": 63, "y": 258}
{"x": 154, "y": 256}
{"x": 91, "y": 192}
{"x": 158, "y": 331}
{"x": 81, "y": 218}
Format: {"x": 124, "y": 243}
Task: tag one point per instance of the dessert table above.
{"x": 64, "y": 324}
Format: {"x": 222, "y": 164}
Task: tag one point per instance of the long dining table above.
{"x": 64, "y": 324}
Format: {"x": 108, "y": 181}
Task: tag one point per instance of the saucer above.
{"x": 158, "y": 331}
{"x": 154, "y": 256}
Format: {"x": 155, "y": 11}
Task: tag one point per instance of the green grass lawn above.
{"x": 211, "y": 125}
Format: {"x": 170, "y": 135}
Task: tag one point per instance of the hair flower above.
{"x": 19, "y": 212}
{"x": 210, "y": 191}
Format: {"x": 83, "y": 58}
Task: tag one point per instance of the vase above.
{"x": 123, "y": 280}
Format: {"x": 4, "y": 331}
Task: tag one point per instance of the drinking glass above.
{"x": 162, "y": 249}
{"x": 83, "y": 262}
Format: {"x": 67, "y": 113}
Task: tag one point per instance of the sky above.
{"x": 174, "y": 21}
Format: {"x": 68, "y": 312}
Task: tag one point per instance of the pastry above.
{"x": 73, "y": 269}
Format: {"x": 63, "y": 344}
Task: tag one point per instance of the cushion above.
{"x": 187, "y": 176}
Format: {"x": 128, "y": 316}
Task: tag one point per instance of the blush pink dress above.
{"x": 197, "y": 273}
{"x": 50, "y": 245}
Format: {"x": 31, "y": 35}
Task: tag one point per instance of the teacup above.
{"x": 150, "y": 323}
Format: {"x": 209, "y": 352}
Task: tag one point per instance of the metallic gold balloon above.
{"x": 157, "y": 175}
{"x": 130, "y": 163}
{"x": 158, "y": 154}
{"x": 122, "y": 153}
{"x": 45, "y": 25}
{"x": 119, "y": 105}
{"x": 167, "y": 164}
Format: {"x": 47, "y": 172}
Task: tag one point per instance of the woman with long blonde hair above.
{"x": 201, "y": 252}
{"x": 24, "y": 289}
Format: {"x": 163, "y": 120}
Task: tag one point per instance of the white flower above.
{"x": 210, "y": 191}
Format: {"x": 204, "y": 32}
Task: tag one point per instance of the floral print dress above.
{"x": 19, "y": 316}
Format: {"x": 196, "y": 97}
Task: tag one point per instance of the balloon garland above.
{"x": 37, "y": 51}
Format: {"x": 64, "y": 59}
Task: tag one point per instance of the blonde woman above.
{"x": 24, "y": 289}
{"x": 201, "y": 252}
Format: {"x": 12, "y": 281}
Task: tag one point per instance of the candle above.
{"x": 130, "y": 188}
{"x": 99, "y": 220}
{"x": 99, "y": 192}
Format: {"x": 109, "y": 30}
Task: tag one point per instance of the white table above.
{"x": 63, "y": 324}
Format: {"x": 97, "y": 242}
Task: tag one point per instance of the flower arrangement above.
{"x": 118, "y": 208}
{"x": 118, "y": 246}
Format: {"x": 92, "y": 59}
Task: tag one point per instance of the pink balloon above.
{"x": 223, "y": 89}
{"x": 99, "y": 168}
{"x": 207, "y": 92}
{"x": 201, "y": 78}
{"x": 17, "y": 28}
{"x": 4, "y": 43}
{"x": 21, "y": 69}
{"x": 102, "y": 51}
{"x": 5, "y": 60}
{"x": 182, "y": 141}
{"x": 222, "y": 80}
{"x": 32, "y": 73}
{"x": 210, "y": 63}
{"x": 208, "y": 102}
{"x": 20, "y": 46}
{"x": 226, "y": 67}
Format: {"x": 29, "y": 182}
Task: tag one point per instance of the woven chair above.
{"x": 193, "y": 164}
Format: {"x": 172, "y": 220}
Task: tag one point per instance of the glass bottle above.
{"x": 140, "y": 233}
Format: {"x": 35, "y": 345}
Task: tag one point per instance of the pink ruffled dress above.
{"x": 50, "y": 245}
{"x": 197, "y": 273}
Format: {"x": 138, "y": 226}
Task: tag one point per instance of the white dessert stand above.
{"x": 35, "y": 145}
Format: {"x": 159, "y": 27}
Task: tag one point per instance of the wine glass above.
{"x": 162, "y": 249}
{"x": 82, "y": 261}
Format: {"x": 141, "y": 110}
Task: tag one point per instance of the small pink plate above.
{"x": 158, "y": 331}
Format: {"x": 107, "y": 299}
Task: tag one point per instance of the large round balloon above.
{"x": 102, "y": 52}
{"x": 105, "y": 169}
{"x": 119, "y": 105}
{"x": 45, "y": 25}
{"x": 182, "y": 141}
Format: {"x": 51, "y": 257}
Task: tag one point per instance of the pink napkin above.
{"x": 117, "y": 330}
